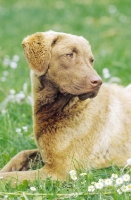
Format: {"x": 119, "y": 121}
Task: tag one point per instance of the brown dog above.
{"x": 71, "y": 127}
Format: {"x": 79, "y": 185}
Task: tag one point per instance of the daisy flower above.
{"x": 18, "y": 130}
{"x": 119, "y": 191}
{"x": 114, "y": 176}
{"x": 126, "y": 177}
{"x": 108, "y": 182}
{"x": 124, "y": 188}
{"x": 33, "y": 189}
{"x": 91, "y": 188}
{"x": 119, "y": 181}
{"x": 83, "y": 174}
{"x": 101, "y": 180}
{"x": 73, "y": 175}
{"x": 128, "y": 161}
{"x": 25, "y": 128}
{"x": 129, "y": 187}
{"x": 72, "y": 172}
{"x": 99, "y": 185}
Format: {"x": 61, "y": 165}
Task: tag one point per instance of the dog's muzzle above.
{"x": 83, "y": 97}
{"x": 91, "y": 94}
{"x": 88, "y": 95}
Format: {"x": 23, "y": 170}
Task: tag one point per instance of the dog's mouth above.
{"x": 87, "y": 95}
{"x": 84, "y": 96}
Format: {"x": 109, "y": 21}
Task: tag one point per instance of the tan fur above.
{"x": 71, "y": 128}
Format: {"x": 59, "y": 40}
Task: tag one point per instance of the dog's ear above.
{"x": 37, "y": 49}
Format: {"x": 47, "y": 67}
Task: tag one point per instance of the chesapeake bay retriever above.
{"x": 75, "y": 126}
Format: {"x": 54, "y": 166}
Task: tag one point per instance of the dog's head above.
{"x": 66, "y": 60}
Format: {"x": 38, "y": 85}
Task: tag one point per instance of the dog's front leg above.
{"x": 17, "y": 177}
{"x": 20, "y": 162}
{"x": 46, "y": 171}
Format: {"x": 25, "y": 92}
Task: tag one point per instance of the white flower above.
{"x": 18, "y": 130}
{"x": 101, "y": 180}
{"x": 99, "y": 185}
{"x": 33, "y": 189}
{"x": 25, "y": 128}
{"x": 129, "y": 187}
{"x": 119, "y": 191}
{"x": 126, "y": 177}
{"x": 12, "y": 91}
{"x": 124, "y": 188}
{"x": 29, "y": 99}
{"x": 119, "y": 181}
{"x": 3, "y": 111}
{"x": 108, "y": 182}
{"x": 13, "y": 64}
{"x": 20, "y": 96}
{"x": 6, "y": 196}
{"x": 72, "y": 172}
{"x": 106, "y": 73}
{"x": 73, "y": 177}
{"x": 93, "y": 183}
{"x": 83, "y": 174}
{"x": 1, "y": 177}
{"x": 91, "y": 188}
{"x": 114, "y": 176}
{"x": 128, "y": 161}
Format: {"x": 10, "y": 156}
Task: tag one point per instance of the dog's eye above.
{"x": 70, "y": 55}
{"x": 91, "y": 60}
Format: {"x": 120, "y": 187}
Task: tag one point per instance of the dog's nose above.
{"x": 95, "y": 81}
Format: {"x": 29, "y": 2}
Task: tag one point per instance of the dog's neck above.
{"x": 48, "y": 101}
{"x": 50, "y": 106}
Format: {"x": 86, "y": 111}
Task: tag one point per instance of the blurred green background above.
{"x": 107, "y": 26}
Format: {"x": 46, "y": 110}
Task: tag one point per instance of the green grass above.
{"x": 106, "y": 24}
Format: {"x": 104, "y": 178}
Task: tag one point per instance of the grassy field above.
{"x": 107, "y": 25}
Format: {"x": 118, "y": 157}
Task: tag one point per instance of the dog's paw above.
{"x": 16, "y": 163}
{"x": 20, "y": 162}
